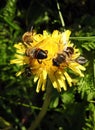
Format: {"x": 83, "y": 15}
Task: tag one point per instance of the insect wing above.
{"x": 81, "y": 60}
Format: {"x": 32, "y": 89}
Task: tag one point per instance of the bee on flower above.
{"x": 48, "y": 56}
{"x": 28, "y": 36}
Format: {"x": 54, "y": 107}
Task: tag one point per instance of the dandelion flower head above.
{"x": 48, "y": 56}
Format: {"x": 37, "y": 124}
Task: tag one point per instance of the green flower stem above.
{"x": 60, "y": 14}
{"x": 44, "y": 109}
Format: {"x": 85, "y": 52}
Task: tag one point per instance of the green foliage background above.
{"x": 19, "y": 103}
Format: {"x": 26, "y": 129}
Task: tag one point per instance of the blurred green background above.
{"x": 19, "y": 103}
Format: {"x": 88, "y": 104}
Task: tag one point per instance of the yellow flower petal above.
{"x": 62, "y": 84}
{"x": 36, "y": 78}
{"x": 68, "y": 78}
{"x": 75, "y": 56}
{"x": 76, "y": 69}
{"x": 17, "y": 61}
{"x": 19, "y": 73}
{"x": 20, "y": 46}
{"x": 81, "y": 67}
{"x": 44, "y": 80}
{"x": 61, "y": 79}
{"x": 65, "y": 37}
{"x": 53, "y": 80}
{"x": 39, "y": 85}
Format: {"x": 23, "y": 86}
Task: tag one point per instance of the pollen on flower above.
{"x": 48, "y": 55}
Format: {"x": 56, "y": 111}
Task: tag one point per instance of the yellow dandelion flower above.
{"x": 48, "y": 56}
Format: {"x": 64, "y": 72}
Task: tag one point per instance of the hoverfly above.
{"x": 63, "y": 56}
{"x": 36, "y": 53}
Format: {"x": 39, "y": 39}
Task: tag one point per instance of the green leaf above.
{"x": 67, "y": 97}
{"x": 54, "y": 102}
